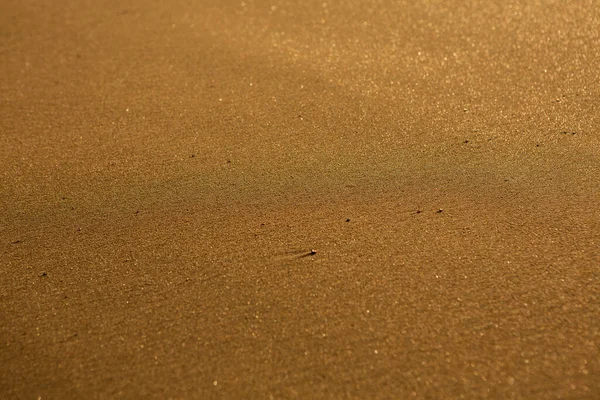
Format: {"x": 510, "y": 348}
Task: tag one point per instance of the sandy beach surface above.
{"x": 283, "y": 199}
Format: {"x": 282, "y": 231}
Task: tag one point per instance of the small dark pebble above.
{"x": 44, "y": 274}
{"x": 347, "y": 219}
{"x": 193, "y": 155}
{"x": 137, "y": 212}
{"x": 418, "y": 212}
{"x": 466, "y": 141}
{"x": 439, "y": 211}
{"x": 313, "y": 252}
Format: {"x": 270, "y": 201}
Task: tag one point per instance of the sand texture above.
{"x": 167, "y": 167}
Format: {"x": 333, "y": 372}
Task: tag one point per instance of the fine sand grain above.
{"x": 286, "y": 199}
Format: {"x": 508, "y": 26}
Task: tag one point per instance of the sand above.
{"x": 168, "y": 168}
